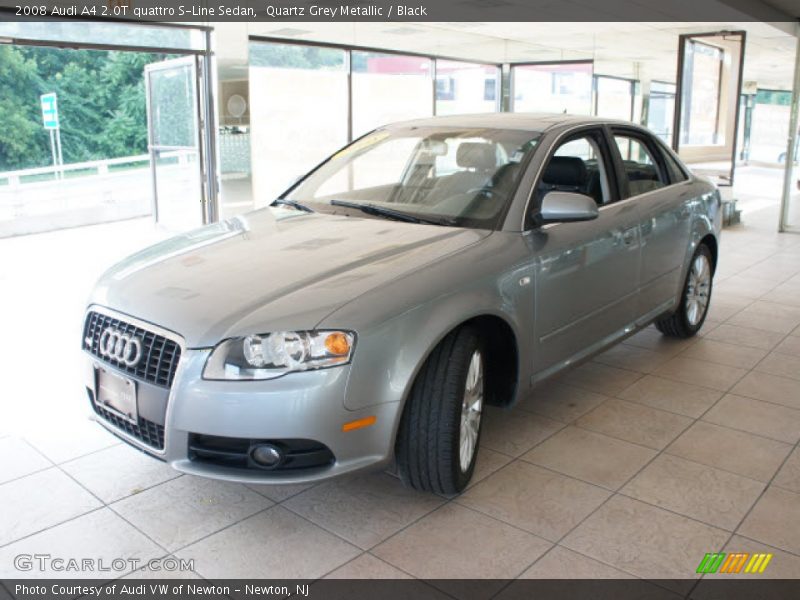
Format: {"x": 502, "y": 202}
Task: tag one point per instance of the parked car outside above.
{"x": 426, "y": 270}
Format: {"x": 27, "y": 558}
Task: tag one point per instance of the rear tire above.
{"x": 695, "y": 299}
{"x": 440, "y": 429}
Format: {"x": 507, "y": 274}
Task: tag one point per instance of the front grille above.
{"x": 235, "y": 453}
{"x": 145, "y": 431}
{"x": 160, "y": 355}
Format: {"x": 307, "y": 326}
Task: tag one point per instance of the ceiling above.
{"x": 625, "y": 49}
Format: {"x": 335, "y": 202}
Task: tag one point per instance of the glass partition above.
{"x": 553, "y": 87}
{"x": 389, "y": 87}
{"x": 614, "y": 97}
{"x": 298, "y": 112}
{"x": 463, "y": 88}
{"x": 661, "y": 109}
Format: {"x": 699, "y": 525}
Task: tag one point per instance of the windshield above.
{"x": 444, "y": 175}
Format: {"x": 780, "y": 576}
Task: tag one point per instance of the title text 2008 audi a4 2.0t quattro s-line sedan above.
{"x": 428, "y": 269}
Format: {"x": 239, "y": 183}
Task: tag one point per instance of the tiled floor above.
{"x": 633, "y": 465}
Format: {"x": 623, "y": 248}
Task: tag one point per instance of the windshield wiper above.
{"x": 380, "y": 211}
{"x": 293, "y": 203}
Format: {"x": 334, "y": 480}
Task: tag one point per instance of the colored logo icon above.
{"x": 735, "y": 562}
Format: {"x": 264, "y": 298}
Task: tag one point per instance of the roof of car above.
{"x": 507, "y": 120}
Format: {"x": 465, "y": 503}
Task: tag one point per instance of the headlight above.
{"x": 270, "y": 355}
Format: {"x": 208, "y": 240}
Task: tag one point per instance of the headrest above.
{"x": 476, "y": 155}
{"x": 565, "y": 170}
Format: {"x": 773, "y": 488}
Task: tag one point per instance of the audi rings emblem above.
{"x": 122, "y": 347}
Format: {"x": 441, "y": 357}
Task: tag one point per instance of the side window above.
{"x": 577, "y": 166}
{"x": 639, "y": 166}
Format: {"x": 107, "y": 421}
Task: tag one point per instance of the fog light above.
{"x": 266, "y": 455}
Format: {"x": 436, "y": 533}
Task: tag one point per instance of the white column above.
{"x": 793, "y": 123}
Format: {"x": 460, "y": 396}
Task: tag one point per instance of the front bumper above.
{"x": 307, "y": 405}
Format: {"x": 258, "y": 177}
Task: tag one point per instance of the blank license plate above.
{"x": 117, "y": 393}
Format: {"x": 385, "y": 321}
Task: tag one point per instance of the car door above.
{"x": 664, "y": 205}
{"x": 587, "y": 273}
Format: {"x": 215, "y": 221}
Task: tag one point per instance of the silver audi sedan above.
{"x": 370, "y": 312}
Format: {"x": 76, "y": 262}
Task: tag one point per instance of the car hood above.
{"x": 272, "y": 269}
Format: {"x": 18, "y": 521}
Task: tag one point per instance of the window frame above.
{"x": 599, "y": 133}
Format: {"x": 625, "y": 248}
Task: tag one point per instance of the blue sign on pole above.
{"x": 49, "y": 110}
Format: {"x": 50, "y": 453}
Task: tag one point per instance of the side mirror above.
{"x": 563, "y": 207}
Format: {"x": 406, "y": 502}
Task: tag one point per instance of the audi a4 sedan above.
{"x": 373, "y": 310}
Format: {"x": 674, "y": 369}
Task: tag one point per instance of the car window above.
{"x": 465, "y": 177}
{"x": 638, "y": 165}
{"x": 577, "y": 166}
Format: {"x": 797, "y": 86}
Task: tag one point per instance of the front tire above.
{"x": 691, "y": 314}
{"x": 441, "y": 425}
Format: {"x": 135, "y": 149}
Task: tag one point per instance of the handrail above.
{"x": 15, "y": 177}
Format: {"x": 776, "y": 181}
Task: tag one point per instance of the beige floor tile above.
{"x": 645, "y": 540}
{"x": 770, "y": 388}
{"x": 513, "y": 431}
{"x": 562, "y": 563}
{"x": 789, "y": 475}
{"x": 632, "y": 358}
{"x": 783, "y": 365}
{"x": 670, "y": 395}
{"x": 600, "y": 378}
{"x": 183, "y": 510}
{"x": 487, "y": 463}
{"x": 39, "y": 501}
{"x": 535, "y": 499}
{"x": 721, "y": 310}
{"x": 367, "y": 566}
{"x": 17, "y": 458}
{"x": 561, "y": 402}
{"x": 274, "y": 544}
{"x": 789, "y": 345}
{"x": 590, "y": 456}
{"x": 756, "y": 318}
{"x": 77, "y": 438}
{"x": 761, "y": 418}
{"x": 99, "y": 535}
{"x": 775, "y": 520}
{"x": 635, "y": 423}
{"x": 279, "y": 493}
{"x": 364, "y": 510}
{"x": 731, "y": 450}
{"x": 745, "y": 336}
{"x": 748, "y": 287}
{"x": 652, "y": 339}
{"x": 704, "y": 493}
{"x": 723, "y": 353}
{"x": 443, "y": 544}
{"x": 701, "y": 372}
{"x": 118, "y": 471}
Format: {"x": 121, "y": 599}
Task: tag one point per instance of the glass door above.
{"x": 174, "y": 142}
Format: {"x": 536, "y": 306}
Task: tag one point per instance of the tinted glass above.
{"x": 576, "y": 166}
{"x": 639, "y": 166}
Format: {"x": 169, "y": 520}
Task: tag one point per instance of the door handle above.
{"x": 628, "y": 236}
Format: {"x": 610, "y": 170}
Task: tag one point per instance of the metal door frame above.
{"x": 678, "y": 115}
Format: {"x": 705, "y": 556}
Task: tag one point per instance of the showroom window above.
{"x": 614, "y": 97}
{"x": 564, "y": 87}
{"x": 389, "y": 87}
{"x": 661, "y": 109}
{"x": 287, "y": 82}
{"x": 463, "y": 88}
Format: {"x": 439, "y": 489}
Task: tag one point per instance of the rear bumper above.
{"x": 299, "y": 406}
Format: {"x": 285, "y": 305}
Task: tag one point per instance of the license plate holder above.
{"x": 117, "y": 394}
